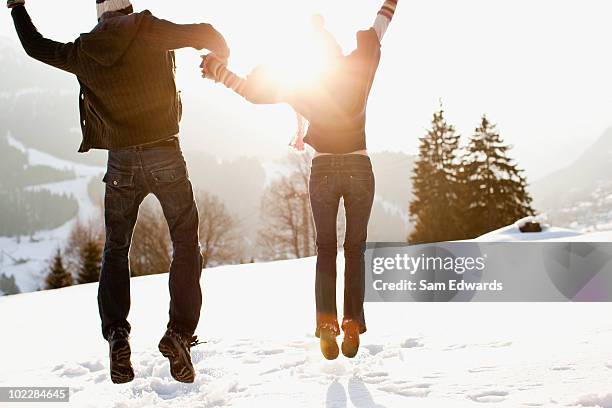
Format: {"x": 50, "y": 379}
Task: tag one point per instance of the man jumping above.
{"x": 129, "y": 105}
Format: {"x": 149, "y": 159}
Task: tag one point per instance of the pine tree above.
{"x": 435, "y": 208}
{"x": 90, "y": 262}
{"x": 8, "y": 286}
{"x": 495, "y": 191}
{"x": 58, "y": 276}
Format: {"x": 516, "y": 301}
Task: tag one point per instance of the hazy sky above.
{"x": 540, "y": 69}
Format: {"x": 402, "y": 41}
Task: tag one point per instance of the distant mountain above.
{"x": 580, "y": 195}
{"x": 19, "y": 72}
{"x": 39, "y": 105}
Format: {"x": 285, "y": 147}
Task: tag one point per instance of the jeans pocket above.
{"x": 115, "y": 182}
{"x": 120, "y": 192}
{"x": 170, "y": 177}
{"x": 362, "y": 184}
{"x": 318, "y": 187}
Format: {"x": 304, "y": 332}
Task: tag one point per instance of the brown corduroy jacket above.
{"x": 125, "y": 67}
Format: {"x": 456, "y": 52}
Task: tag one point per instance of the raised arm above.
{"x": 384, "y": 18}
{"x": 50, "y": 52}
{"x": 169, "y": 36}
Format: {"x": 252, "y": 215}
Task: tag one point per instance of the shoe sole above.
{"x": 349, "y": 351}
{"x": 329, "y": 347}
{"x": 121, "y": 365}
{"x": 179, "y": 367}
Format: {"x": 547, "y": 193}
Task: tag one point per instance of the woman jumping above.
{"x": 335, "y": 108}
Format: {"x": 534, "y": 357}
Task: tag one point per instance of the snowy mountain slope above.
{"x": 29, "y": 273}
{"x": 579, "y": 196}
{"x": 258, "y": 321}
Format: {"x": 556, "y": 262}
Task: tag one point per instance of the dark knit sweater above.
{"x": 126, "y": 70}
{"x": 336, "y": 107}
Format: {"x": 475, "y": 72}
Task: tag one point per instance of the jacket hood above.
{"x": 112, "y": 37}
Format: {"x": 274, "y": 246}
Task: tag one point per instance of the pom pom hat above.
{"x": 104, "y": 6}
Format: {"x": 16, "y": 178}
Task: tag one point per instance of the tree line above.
{"x": 79, "y": 262}
{"x": 460, "y": 192}
{"x": 464, "y": 192}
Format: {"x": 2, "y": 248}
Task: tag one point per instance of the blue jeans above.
{"x": 132, "y": 174}
{"x": 334, "y": 177}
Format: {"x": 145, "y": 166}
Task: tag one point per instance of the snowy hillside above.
{"x": 27, "y": 260}
{"x": 260, "y": 352}
{"x": 579, "y": 196}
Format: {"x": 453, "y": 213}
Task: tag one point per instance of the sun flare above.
{"x": 303, "y": 59}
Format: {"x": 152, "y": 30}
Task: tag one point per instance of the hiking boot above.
{"x": 120, "y": 353}
{"x": 176, "y": 346}
{"x": 329, "y": 347}
{"x": 350, "y": 344}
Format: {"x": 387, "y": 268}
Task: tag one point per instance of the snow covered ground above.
{"x": 260, "y": 351}
{"x": 29, "y": 275}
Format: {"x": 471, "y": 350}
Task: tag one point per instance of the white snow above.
{"x": 258, "y": 321}
{"x": 512, "y": 233}
{"x": 29, "y": 276}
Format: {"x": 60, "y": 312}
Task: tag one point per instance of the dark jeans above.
{"x": 334, "y": 177}
{"x": 133, "y": 174}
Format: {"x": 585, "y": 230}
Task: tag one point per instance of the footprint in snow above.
{"x": 376, "y": 377}
{"x": 251, "y": 360}
{"x": 74, "y": 371}
{"x": 483, "y": 369}
{"x": 285, "y": 366}
{"x": 529, "y": 387}
{"x": 499, "y": 344}
{"x": 374, "y": 349}
{"x": 433, "y": 376}
{"x": 595, "y": 401}
{"x": 100, "y": 378}
{"x": 565, "y": 367}
{"x": 489, "y": 396}
{"x": 453, "y": 347}
{"x": 408, "y": 390}
{"x": 411, "y": 343}
{"x": 93, "y": 366}
{"x": 270, "y": 352}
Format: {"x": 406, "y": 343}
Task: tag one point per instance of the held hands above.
{"x": 14, "y": 3}
{"x": 212, "y": 65}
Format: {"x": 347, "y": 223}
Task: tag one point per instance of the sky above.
{"x": 539, "y": 69}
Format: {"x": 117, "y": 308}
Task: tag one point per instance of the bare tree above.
{"x": 84, "y": 236}
{"x": 150, "y": 253}
{"x": 288, "y": 230}
{"x": 219, "y": 237}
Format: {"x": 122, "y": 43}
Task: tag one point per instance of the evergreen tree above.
{"x": 90, "y": 262}
{"x": 58, "y": 276}
{"x": 8, "y": 286}
{"x": 495, "y": 193}
{"x": 435, "y": 208}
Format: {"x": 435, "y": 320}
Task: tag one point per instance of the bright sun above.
{"x": 302, "y": 61}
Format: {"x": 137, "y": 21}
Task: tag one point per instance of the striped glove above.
{"x": 388, "y": 9}
{"x": 14, "y": 3}
{"x": 384, "y": 17}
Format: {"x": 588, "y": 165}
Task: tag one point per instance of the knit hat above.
{"x": 104, "y": 6}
